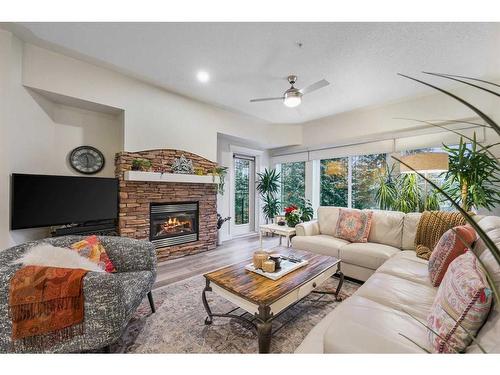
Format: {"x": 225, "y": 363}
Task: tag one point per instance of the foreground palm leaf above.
{"x": 465, "y": 82}
{"x": 481, "y": 114}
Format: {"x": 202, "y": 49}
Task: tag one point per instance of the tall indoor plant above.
{"x": 455, "y": 201}
{"x": 268, "y": 185}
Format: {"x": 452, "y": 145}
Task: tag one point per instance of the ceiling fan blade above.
{"x": 315, "y": 86}
{"x": 265, "y": 99}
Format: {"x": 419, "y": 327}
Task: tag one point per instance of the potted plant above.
{"x": 220, "y": 221}
{"x": 221, "y": 172}
{"x": 141, "y": 165}
{"x": 292, "y": 215}
{"x": 268, "y": 186}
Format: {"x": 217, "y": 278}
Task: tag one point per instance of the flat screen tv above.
{"x": 43, "y": 200}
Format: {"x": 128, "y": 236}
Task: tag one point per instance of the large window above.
{"x": 365, "y": 169}
{"x": 293, "y": 183}
{"x": 241, "y": 191}
{"x": 334, "y": 181}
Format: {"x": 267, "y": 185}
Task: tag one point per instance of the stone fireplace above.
{"x": 180, "y": 218}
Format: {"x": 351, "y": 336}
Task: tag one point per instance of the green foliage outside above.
{"x": 242, "y": 189}
{"x": 365, "y": 169}
{"x": 293, "y": 183}
{"x": 334, "y": 184}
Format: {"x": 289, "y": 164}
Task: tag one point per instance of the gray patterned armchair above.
{"x": 110, "y": 299}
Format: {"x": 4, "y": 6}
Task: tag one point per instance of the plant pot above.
{"x": 219, "y": 238}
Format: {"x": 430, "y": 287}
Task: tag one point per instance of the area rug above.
{"x": 178, "y": 324}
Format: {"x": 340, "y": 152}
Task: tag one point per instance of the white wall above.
{"x": 374, "y": 123}
{"x": 154, "y": 118}
{"x": 37, "y": 135}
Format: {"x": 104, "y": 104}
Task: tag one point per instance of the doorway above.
{"x": 243, "y": 194}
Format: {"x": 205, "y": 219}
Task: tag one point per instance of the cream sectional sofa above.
{"x": 374, "y": 319}
{"x": 391, "y": 232}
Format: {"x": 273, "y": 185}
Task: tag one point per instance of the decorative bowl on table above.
{"x": 276, "y": 258}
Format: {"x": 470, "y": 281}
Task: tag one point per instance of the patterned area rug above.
{"x": 178, "y": 324}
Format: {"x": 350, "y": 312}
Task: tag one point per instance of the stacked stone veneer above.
{"x": 136, "y": 196}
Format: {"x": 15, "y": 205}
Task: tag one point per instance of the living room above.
{"x": 250, "y": 187}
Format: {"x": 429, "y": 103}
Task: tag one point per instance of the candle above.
{"x": 268, "y": 266}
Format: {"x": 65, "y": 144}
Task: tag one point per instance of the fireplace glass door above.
{"x": 173, "y": 224}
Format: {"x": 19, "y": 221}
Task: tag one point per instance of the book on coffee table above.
{"x": 287, "y": 266}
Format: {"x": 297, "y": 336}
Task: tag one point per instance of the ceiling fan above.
{"x": 293, "y": 96}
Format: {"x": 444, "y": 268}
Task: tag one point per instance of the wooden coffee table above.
{"x": 266, "y": 299}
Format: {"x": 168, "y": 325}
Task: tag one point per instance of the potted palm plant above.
{"x": 268, "y": 185}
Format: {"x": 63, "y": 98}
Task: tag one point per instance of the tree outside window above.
{"x": 293, "y": 183}
{"x": 365, "y": 169}
{"x": 334, "y": 180}
{"x": 241, "y": 191}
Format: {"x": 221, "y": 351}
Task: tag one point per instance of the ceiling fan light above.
{"x": 292, "y": 99}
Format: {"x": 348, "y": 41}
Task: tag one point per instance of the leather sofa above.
{"x": 375, "y": 318}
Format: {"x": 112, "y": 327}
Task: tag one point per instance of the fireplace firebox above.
{"x": 173, "y": 223}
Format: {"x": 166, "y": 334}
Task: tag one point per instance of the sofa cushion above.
{"x": 406, "y": 265}
{"x": 321, "y": 244}
{"x": 489, "y": 334}
{"x": 461, "y": 306}
{"x": 368, "y": 254}
{"x": 387, "y": 228}
{"x": 410, "y": 224}
{"x": 400, "y": 294}
{"x": 327, "y": 219}
{"x": 354, "y": 225}
{"x": 361, "y": 325}
{"x": 453, "y": 243}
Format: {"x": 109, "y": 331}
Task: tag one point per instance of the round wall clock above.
{"x": 86, "y": 160}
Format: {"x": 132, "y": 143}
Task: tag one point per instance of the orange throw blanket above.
{"x": 46, "y": 305}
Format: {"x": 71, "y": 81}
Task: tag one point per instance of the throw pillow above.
{"x": 461, "y": 306}
{"x": 92, "y": 249}
{"x": 353, "y": 225}
{"x": 453, "y": 243}
{"x": 51, "y": 256}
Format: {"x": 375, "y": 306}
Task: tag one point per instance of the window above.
{"x": 365, "y": 169}
{"x": 334, "y": 181}
{"x": 241, "y": 191}
{"x": 293, "y": 183}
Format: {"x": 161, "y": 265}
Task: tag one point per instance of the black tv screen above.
{"x": 43, "y": 200}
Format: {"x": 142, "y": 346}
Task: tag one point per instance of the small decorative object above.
{"x": 268, "y": 266}
{"x": 221, "y": 172}
{"x": 182, "y": 165}
{"x": 141, "y": 165}
{"x": 259, "y": 257}
{"x": 86, "y": 160}
{"x": 199, "y": 171}
{"x": 292, "y": 215}
{"x": 220, "y": 221}
{"x": 280, "y": 220}
{"x": 276, "y": 258}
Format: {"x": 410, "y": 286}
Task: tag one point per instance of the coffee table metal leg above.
{"x": 208, "y": 319}
{"x": 264, "y": 328}
{"x": 340, "y": 274}
{"x": 264, "y": 332}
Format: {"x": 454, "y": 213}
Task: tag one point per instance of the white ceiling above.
{"x": 249, "y": 60}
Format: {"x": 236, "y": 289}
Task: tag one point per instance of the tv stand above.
{"x": 104, "y": 228}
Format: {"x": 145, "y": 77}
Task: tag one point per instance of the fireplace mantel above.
{"x": 170, "y": 177}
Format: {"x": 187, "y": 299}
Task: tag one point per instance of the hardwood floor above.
{"x": 229, "y": 252}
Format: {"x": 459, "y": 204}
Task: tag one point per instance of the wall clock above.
{"x": 86, "y": 160}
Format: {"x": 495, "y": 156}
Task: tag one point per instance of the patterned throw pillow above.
{"x": 92, "y": 248}
{"x": 353, "y": 225}
{"x": 462, "y": 305}
{"x": 450, "y": 246}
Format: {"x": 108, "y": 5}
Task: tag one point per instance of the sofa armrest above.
{"x": 309, "y": 228}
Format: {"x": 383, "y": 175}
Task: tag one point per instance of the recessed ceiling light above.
{"x": 203, "y": 76}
